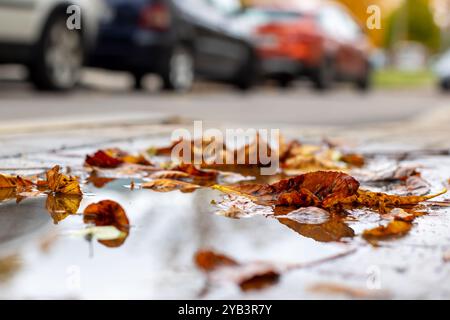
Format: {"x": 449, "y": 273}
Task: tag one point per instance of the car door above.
{"x": 219, "y": 54}
{"x": 17, "y": 21}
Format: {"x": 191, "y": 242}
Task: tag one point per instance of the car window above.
{"x": 202, "y": 10}
{"x": 338, "y": 24}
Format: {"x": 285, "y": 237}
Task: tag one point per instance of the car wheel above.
{"x": 285, "y": 81}
{"x": 248, "y": 74}
{"x": 364, "y": 83}
{"x": 179, "y": 74}
{"x": 59, "y": 56}
{"x": 323, "y": 76}
{"x": 444, "y": 84}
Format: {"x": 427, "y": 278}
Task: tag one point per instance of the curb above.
{"x": 84, "y": 122}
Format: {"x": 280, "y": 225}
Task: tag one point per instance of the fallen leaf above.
{"x": 320, "y": 189}
{"x": 7, "y": 181}
{"x": 108, "y": 213}
{"x": 331, "y": 231}
{"x": 251, "y": 276}
{"x": 103, "y": 159}
{"x": 59, "y": 183}
{"x": 394, "y": 229}
{"x": 168, "y": 185}
{"x": 353, "y": 159}
{"x": 60, "y": 206}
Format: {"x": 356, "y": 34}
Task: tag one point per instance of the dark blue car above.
{"x": 176, "y": 39}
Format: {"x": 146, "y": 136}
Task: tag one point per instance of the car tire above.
{"x": 58, "y": 56}
{"x": 364, "y": 83}
{"x": 324, "y": 75}
{"x": 248, "y": 74}
{"x": 138, "y": 81}
{"x": 179, "y": 74}
{"x": 285, "y": 81}
{"x": 444, "y": 85}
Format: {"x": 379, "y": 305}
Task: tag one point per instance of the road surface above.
{"x": 104, "y": 93}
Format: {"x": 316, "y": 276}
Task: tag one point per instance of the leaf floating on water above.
{"x": 210, "y": 260}
{"x": 330, "y": 231}
{"x": 108, "y": 213}
{"x": 251, "y": 276}
{"x": 59, "y": 183}
{"x": 61, "y": 206}
{"x": 167, "y": 185}
{"x": 236, "y": 207}
{"x": 394, "y": 229}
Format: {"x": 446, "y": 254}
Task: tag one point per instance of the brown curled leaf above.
{"x": 394, "y": 229}
{"x": 7, "y": 181}
{"x": 61, "y": 206}
{"x": 168, "y": 185}
{"x": 108, "y": 213}
{"x": 196, "y": 173}
{"x": 320, "y": 189}
{"x": 353, "y": 159}
{"x": 250, "y": 276}
{"x": 209, "y": 260}
{"x": 59, "y": 183}
{"x": 103, "y": 159}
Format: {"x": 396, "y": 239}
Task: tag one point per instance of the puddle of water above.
{"x": 155, "y": 261}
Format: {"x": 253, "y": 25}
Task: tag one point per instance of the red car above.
{"x": 323, "y": 43}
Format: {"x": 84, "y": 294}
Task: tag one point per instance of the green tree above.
{"x": 413, "y": 21}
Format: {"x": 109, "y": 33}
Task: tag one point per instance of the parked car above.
{"x": 442, "y": 70}
{"x": 35, "y": 33}
{"x": 321, "y": 42}
{"x": 175, "y": 39}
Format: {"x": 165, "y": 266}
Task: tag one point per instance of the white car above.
{"x": 442, "y": 70}
{"x": 50, "y": 37}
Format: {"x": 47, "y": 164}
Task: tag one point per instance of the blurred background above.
{"x": 271, "y": 61}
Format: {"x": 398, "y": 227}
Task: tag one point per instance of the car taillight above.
{"x": 156, "y": 17}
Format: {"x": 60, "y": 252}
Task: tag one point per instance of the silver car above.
{"x": 50, "y": 37}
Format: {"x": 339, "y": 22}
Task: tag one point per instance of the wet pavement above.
{"x": 39, "y": 259}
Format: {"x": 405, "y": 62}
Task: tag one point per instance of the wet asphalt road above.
{"x": 104, "y": 93}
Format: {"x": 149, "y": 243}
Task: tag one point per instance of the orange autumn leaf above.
{"x": 353, "y": 159}
{"x": 251, "y": 276}
{"x": 61, "y": 206}
{"x": 59, "y": 183}
{"x": 323, "y": 189}
{"x": 103, "y": 159}
{"x": 196, "y": 173}
{"x": 108, "y": 213}
{"x": 7, "y": 181}
{"x": 168, "y": 185}
{"x": 320, "y": 189}
{"x": 210, "y": 261}
{"x": 395, "y": 228}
